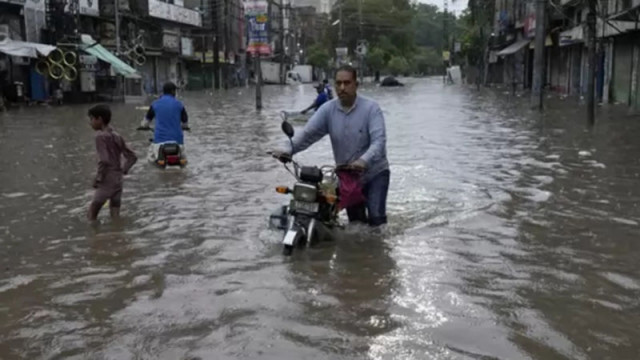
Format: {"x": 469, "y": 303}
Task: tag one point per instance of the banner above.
{"x": 84, "y": 7}
{"x": 257, "y": 19}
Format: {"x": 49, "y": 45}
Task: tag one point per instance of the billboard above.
{"x": 257, "y": 20}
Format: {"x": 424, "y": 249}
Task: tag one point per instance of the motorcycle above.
{"x": 165, "y": 154}
{"x": 314, "y": 203}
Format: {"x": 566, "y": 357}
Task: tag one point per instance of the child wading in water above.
{"x": 111, "y": 148}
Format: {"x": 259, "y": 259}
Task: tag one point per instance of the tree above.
{"x": 427, "y": 61}
{"x": 398, "y": 66}
{"x": 476, "y": 22}
{"x": 388, "y": 18}
{"x": 375, "y": 60}
{"x": 318, "y": 57}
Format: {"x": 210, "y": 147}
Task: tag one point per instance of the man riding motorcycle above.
{"x": 171, "y": 118}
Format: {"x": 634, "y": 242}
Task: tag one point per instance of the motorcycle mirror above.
{"x": 287, "y": 129}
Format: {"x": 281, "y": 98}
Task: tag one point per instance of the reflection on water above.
{"x": 511, "y": 236}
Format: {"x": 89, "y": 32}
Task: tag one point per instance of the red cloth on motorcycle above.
{"x": 351, "y": 193}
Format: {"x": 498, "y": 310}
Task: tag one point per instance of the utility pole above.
{"x": 216, "y": 45}
{"x": 116, "y": 13}
{"x": 203, "y": 61}
{"x": 216, "y": 61}
{"x": 225, "y": 46}
{"x": 361, "y": 56}
{"x": 537, "y": 93}
{"x": 258, "y": 72}
{"x": 281, "y": 40}
{"x": 591, "y": 36}
{"x": 340, "y": 24}
{"x": 445, "y": 45}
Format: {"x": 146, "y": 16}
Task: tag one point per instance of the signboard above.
{"x": 361, "y": 49}
{"x": 446, "y": 55}
{"x": 84, "y": 7}
{"x": 171, "y": 42}
{"x": 530, "y": 21}
{"x": 20, "y": 2}
{"x": 342, "y": 54}
{"x": 35, "y": 4}
{"x": 88, "y": 62}
{"x": 342, "y": 51}
{"x": 187, "y": 46}
{"x": 257, "y": 19}
{"x": 208, "y": 56}
{"x": 163, "y": 10}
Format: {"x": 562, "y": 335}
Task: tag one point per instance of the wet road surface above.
{"x": 511, "y": 237}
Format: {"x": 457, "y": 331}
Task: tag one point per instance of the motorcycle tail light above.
{"x": 173, "y": 159}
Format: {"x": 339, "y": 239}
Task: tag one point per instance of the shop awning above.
{"x": 25, "y": 49}
{"x": 514, "y": 48}
{"x": 91, "y": 47}
{"x": 575, "y": 35}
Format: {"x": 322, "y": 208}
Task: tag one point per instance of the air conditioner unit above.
{"x": 4, "y": 32}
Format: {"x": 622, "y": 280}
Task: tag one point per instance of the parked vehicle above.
{"x": 305, "y": 72}
{"x": 271, "y": 74}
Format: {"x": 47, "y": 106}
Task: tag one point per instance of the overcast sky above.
{"x": 457, "y": 5}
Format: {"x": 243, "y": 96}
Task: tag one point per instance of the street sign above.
{"x": 361, "y": 49}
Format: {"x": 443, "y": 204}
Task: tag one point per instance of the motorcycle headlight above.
{"x": 304, "y": 192}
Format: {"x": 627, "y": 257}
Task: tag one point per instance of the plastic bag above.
{"x": 351, "y": 193}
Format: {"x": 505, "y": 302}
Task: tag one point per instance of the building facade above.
{"x": 100, "y": 42}
{"x": 618, "y": 48}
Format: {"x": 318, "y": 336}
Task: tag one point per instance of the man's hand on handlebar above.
{"x": 282, "y": 156}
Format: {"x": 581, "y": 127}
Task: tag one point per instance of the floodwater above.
{"x": 511, "y": 237}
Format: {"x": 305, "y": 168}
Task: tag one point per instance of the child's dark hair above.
{"x": 101, "y": 111}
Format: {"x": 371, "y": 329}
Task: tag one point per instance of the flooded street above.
{"x": 510, "y": 237}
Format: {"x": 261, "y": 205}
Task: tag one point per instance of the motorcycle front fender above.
{"x": 295, "y": 231}
{"x": 290, "y": 237}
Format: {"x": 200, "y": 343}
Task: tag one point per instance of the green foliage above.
{"x": 398, "y": 66}
{"x": 404, "y": 35}
{"x": 318, "y": 57}
{"x": 476, "y": 23}
{"x": 376, "y": 59}
{"x": 385, "y": 24}
{"x": 428, "y": 61}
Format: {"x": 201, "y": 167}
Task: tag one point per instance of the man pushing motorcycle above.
{"x": 171, "y": 118}
{"x": 356, "y": 127}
